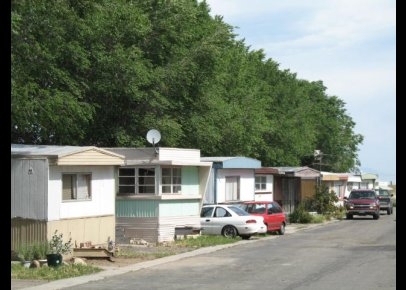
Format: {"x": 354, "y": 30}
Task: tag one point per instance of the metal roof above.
{"x": 53, "y": 150}
{"x": 234, "y": 162}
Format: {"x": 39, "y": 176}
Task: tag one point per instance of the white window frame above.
{"x": 171, "y": 180}
{"x": 260, "y": 183}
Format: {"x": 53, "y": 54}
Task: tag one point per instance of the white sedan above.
{"x": 230, "y": 221}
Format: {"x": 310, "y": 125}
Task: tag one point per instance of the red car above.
{"x": 271, "y": 211}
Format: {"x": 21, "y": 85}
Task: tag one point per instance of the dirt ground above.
{"x": 131, "y": 254}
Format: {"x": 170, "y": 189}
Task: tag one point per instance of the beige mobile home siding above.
{"x": 96, "y": 229}
{"x": 90, "y": 157}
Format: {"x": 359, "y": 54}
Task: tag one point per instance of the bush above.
{"x": 300, "y": 215}
{"x": 323, "y": 201}
{"x": 57, "y": 246}
{"x": 24, "y": 252}
{"x": 34, "y": 251}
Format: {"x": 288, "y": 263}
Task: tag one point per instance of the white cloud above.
{"x": 349, "y": 45}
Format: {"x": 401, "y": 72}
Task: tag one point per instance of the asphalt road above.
{"x": 349, "y": 254}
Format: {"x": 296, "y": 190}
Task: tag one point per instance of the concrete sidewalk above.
{"x": 69, "y": 282}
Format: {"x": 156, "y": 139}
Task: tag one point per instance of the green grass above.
{"x": 18, "y": 271}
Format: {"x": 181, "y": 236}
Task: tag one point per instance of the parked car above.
{"x": 362, "y": 202}
{"x": 271, "y": 211}
{"x": 385, "y": 200}
{"x": 230, "y": 221}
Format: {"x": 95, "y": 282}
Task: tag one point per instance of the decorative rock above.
{"x": 139, "y": 242}
{"x": 78, "y": 261}
{"x": 35, "y": 264}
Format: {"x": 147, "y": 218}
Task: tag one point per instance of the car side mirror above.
{"x": 345, "y": 197}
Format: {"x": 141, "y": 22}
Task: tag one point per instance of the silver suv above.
{"x": 385, "y": 200}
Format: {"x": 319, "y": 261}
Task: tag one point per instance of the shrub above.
{"x": 24, "y": 252}
{"x": 300, "y": 215}
{"x": 323, "y": 201}
{"x": 57, "y": 246}
{"x": 33, "y": 251}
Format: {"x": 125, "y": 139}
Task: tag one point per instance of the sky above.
{"x": 349, "y": 45}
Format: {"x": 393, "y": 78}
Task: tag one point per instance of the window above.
{"x": 274, "y": 208}
{"x": 232, "y": 190}
{"x": 221, "y": 212}
{"x": 76, "y": 186}
{"x": 206, "y": 212}
{"x": 146, "y": 181}
{"x": 126, "y": 181}
{"x": 132, "y": 181}
{"x": 260, "y": 182}
{"x": 171, "y": 180}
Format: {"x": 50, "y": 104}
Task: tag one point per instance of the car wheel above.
{"x": 388, "y": 211}
{"x": 229, "y": 232}
{"x": 349, "y": 216}
{"x": 376, "y": 216}
{"x": 282, "y": 229}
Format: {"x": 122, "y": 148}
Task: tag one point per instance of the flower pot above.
{"x": 26, "y": 264}
{"x": 54, "y": 260}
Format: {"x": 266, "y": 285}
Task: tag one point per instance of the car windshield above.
{"x": 383, "y": 193}
{"x": 362, "y": 194}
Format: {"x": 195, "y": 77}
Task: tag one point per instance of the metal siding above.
{"x": 39, "y": 184}
{"x": 27, "y": 231}
{"x": 190, "y": 180}
{"x": 186, "y": 155}
{"x": 128, "y": 228}
{"x": 167, "y": 226}
{"x": 136, "y": 208}
{"x": 90, "y": 157}
{"x": 96, "y": 229}
{"x": 242, "y": 163}
{"x": 29, "y": 191}
{"x": 247, "y": 183}
{"x": 209, "y": 194}
{"x": 171, "y": 208}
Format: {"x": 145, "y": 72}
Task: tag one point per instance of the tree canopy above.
{"x": 103, "y": 73}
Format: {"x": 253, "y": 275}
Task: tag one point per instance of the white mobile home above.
{"x": 231, "y": 179}
{"x": 66, "y": 188}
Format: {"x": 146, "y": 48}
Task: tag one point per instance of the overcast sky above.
{"x": 348, "y": 45}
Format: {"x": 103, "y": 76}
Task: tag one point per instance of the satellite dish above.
{"x": 153, "y": 136}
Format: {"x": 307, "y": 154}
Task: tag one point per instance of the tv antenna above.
{"x": 153, "y": 137}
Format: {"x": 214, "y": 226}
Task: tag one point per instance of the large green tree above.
{"x": 47, "y": 63}
{"x": 103, "y": 73}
